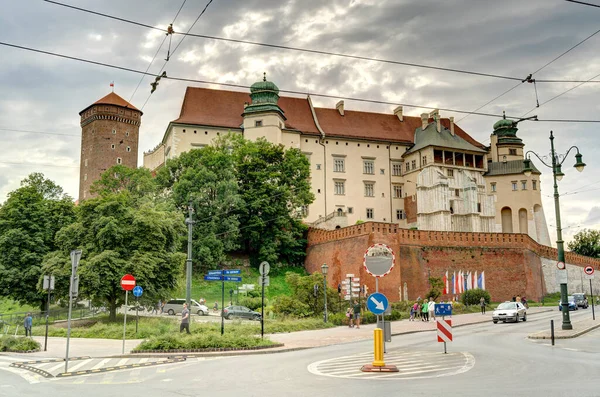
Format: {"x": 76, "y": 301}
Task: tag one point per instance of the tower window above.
{"x": 514, "y": 185}
{"x": 258, "y": 123}
{"x": 112, "y": 146}
{"x": 534, "y": 185}
{"x": 85, "y": 162}
{"x": 493, "y": 186}
{"x": 114, "y": 131}
{"x": 512, "y": 152}
{"x": 128, "y": 149}
{"x": 119, "y": 161}
{"x": 318, "y": 167}
{"x": 370, "y": 214}
{"x": 85, "y": 177}
{"x": 126, "y": 133}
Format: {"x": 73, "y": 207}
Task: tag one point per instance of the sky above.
{"x": 41, "y": 95}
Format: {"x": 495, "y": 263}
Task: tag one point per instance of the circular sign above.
{"x": 264, "y": 268}
{"x": 588, "y": 270}
{"x": 128, "y": 282}
{"x": 560, "y": 265}
{"x": 138, "y": 291}
{"x": 379, "y": 260}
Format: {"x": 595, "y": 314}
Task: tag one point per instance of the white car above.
{"x": 174, "y": 306}
{"x": 509, "y": 311}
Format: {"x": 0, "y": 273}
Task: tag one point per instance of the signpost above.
{"x": 73, "y": 290}
{"x": 589, "y": 274}
{"x": 222, "y": 276}
{"x": 264, "y": 269}
{"x": 377, "y": 303}
{"x": 48, "y": 285}
{"x": 137, "y": 292}
{"x": 444, "y": 331}
{"x": 127, "y": 283}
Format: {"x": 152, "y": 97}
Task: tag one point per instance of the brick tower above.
{"x": 109, "y": 135}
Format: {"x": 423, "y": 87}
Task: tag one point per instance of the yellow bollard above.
{"x": 378, "y": 345}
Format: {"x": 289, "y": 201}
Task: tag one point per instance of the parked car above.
{"x": 241, "y": 312}
{"x": 572, "y": 303}
{"x": 580, "y": 300}
{"x": 509, "y": 311}
{"x": 175, "y": 306}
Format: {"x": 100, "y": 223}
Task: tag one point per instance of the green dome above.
{"x": 264, "y": 96}
{"x": 264, "y": 86}
{"x": 503, "y": 123}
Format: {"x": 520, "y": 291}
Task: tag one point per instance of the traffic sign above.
{"x": 444, "y": 330}
{"x": 232, "y": 278}
{"x": 443, "y": 309}
{"x": 215, "y": 272}
{"x": 267, "y": 280}
{"x": 264, "y": 268}
{"x": 377, "y": 303}
{"x": 589, "y": 270}
{"x": 128, "y": 282}
{"x": 379, "y": 260}
{"x": 560, "y": 265}
{"x": 138, "y": 291}
{"x": 213, "y": 278}
{"x": 232, "y": 271}
{"x": 562, "y": 276}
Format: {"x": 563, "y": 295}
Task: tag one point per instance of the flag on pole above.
{"x": 479, "y": 279}
{"x": 464, "y": 282}
{"x": 461, "y": 284}
{"x": 472, "y": 280}
{"x": 112, "y": 85}
{"x": 454, "y": 283}
{"x": 446, "y": 290}
{"x": 483, "y": 279}
{"x": 475, "y": 283}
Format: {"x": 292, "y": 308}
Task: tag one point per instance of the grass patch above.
{"x": 17, "y": 344}
{"x": 9, "y": 306}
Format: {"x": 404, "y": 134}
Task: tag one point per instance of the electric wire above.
{"x": 584, "y": 3}
{"x": 38, "y": 164}
{"x": 38, "y": 132}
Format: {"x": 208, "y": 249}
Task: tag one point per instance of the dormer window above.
{"x": 512, "y": 152}
{"x": 258, "y": 123}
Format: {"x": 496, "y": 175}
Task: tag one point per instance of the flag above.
{"x": 446, "y": 290}
{"x": 468, "y": 281}
{"x": 483, "y": 279}
{"x": 112, "y": 84}
{"x": 472, "y": 280}
{"x": 475, "y": 284}
{"x": 479, "y": 280}
{"x": 464, "y": 282}
{"x": 461, "y": 284}
{"x": 454, "y": 283}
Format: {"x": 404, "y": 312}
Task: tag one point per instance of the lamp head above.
{"x": 324, "y": 268}
{"x": 579, "y": 165}
{"x": 558, "y": 173}
{"x": 527, "y": 167}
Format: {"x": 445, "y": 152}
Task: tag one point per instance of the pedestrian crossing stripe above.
{"x": 119, "y": 367}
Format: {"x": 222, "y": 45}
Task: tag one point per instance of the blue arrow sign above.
{"x": 233, "y": 271}
{"x": 443, "y": 309}
{"x": 232, "y": 278}
{"x": 138, "y": 291}
{"x": 377, "y": 303}
{"x": 215, "y": 272}
{"x": 213, "y": 278}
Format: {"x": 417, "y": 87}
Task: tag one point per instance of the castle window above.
{"x": 512, "y": 152}
{"x": 424, "y": 160}
{"x": 397, "y": 191}
{"x": 206, "y": 133}
{"x": 318, "y": 167}
{"x": 369, "y": 189}
{"x": 400, "y": 215}
{"x": 195, "y": 132}
{"x": 126, "y": 133}
{"x": 305, "y": 211}
{"x": 85, "y": 177}
{"x": 339, "y": 188}
{"x": 368, "y": 167}
{"x": 338, "y": 165}
{"x": 413, "y": 164}
{"x": 370, "y": 213}
{"x": 128, "y": 149}
{"x": 534, "y": 185}
{"x": 450, "y": 173}
{"x": 514, "y": 185}
{"x": 493, "y": 186}
{"x": 523, "y": 185}
{"x": 382, "y": 171}
{"x": 396, "y": 169}
{"x": 85, "y": 162}
{"x": 457, "y": 192}
{"x": 114, "y": 131}
{"x": 478, "y": 207}
{"x": 350, "y": 210}
{"x": 258, "y": 123}
{"x": 407, "y": 167}
{"x": 119, "y": 161}
{"x": 337, "y": 143}
{"x": 112, "y": 146}
{"x": 184, "y": 130}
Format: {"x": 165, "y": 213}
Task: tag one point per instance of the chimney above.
{"x": 398, "y": 112}
{"x": 451, "y": 125}
{"x": 435, "y": 115}
{"x": 424, "y": 120}
{"x": 340, "y": 107}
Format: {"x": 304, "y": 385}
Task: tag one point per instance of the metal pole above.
{"x": 47, "y": 315}
{"x": 69, "y": 325}
{"x": 188, "y": 267}
{"x": 552, "y": 331}
{"x": 125, "y": 322}
{"x": 445, "y": 352}
{"x": 262, "y": 306}
{"x": 137, "y": 317}
{"x": 592, "y": 296}
{"x": 566, "y": 320}
{"x": 222, "y": 303}
{"x": 325, "y": 294}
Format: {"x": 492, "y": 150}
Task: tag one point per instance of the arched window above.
{"x": 506, "y": 214}
{"x": 523, "y": 227}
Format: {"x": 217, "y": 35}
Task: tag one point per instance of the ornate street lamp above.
{"x": 557, "y": 161}
{"x": 324, "y": 269}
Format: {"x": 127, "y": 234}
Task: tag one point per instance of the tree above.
{"x": 206, "y": 177}
{"x": 586, "y": 242}
{"x": 139, "y": 182}
{"x": 436, "y": 288}
{"x": 118, "y": 235}
{"x": 29, "y": 221}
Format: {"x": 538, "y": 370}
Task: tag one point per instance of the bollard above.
{"x": 378, "y": 345}
{"x": 552, "y": 331}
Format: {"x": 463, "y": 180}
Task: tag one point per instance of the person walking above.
{"x": 482, "y": 304}
{"x": 185, "y": 320}
{"x": 27, "y": 323}
{"x": 431, "y": 308}
{"x": 356, "y": 310}
{"x": 413, "y": 311}
{"x": 425, "y": 312}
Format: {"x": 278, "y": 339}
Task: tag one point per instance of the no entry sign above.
{"x": 128, "y": 282}
{"x": 588, "y": 270}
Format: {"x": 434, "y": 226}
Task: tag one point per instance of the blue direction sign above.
{"x": 443, "y": 309}
{"x": 215, "y": 272}
{"x": 138, "y": 291}
{"x": 232, "y": 278}
{"x": 232, "y": 271}
{"x": 377, "y": 303}
{"x": 213, "y": 278}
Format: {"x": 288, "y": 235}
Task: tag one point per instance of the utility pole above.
{"x": 49, "y": 285}
{"x": 188, "y": 268}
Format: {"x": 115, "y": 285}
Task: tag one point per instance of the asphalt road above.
{"x": 485, "y": 359}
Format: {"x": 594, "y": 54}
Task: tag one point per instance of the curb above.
{"x": 571, "y": 336}
{"x": 109, "y": 369}
{"x": 207, "y": 350}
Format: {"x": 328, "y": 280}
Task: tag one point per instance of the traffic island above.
{"x": 373, "y": 368}
{"x": 579, "y": 328}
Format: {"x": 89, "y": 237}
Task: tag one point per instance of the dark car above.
{"x": 581, "y": 300}
{"x": 572, "y": 304}
{"x": 240, "y": 312}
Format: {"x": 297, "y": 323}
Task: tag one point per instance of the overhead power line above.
{"x": 312, "y": 51}
{"x": 584, "y": 3}
{"x": 39, "y": 164}
{"x": 39, "y": 132}
{"x": 356, "y": 99}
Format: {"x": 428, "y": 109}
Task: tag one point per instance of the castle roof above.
{"x": 221, "y": 108}
{"x": 112, "y": 99}
{"x": 509, "y": 168}
{"x": 431, "y": 137}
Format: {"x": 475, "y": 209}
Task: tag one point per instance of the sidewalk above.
{"x": 579, "y": 328}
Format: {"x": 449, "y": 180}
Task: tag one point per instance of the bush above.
{"x": 403, "y": 306}
{"x": 473, "y": 296}
{"x": 13, "y": 344}
{"x": 289, "y": 306}
{"x": 205, "y": 340}
{"x": 251, "y": 303}
{"x": 366, "y": 318}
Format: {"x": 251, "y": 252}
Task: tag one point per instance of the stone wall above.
{"x": 514, "y": 264}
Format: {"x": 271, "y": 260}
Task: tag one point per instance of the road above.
{"x": 485, "y": 359}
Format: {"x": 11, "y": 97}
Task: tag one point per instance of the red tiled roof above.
{"x": 112, "y": 99}
{"x": 220, "y": 108}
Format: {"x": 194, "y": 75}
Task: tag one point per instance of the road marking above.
{"x": 57, "y": 366}
{"x": 101, "y": 364}
{"x": 122, "y": 362}
{"x": 78, "y": 365}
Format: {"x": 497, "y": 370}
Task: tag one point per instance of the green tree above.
{"x": 119, "y": 234}
{"x": 29, "y": 221}
{"x": 307, "y": 296}
{"x": 139, "y": 182}
{"x": 586, "y": 242}
{"x": 436, "y": 286}
{"x": 274, "y": 184}
{"x": 206, "y": 177}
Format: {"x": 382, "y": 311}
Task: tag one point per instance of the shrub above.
{"x": 13, "y": 344}
{"x": 251, "y": 303}
{"x": 205, "y": 340}
{"x": 473, "y": 296}
{"x": 403, "y": 306}
{"x": 289, "y": 306}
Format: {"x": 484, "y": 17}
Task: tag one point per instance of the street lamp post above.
{"x": 557, "y": 174}
{"x": 324, "y": 268}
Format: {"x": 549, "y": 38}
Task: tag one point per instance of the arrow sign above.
{"x": 233, "y": 271}
{"x": 232, "y": 278}
{"x": 213, "y": 278}
{"x": 377, "y": 303}
{"x": 215, "y": 272}
{"x": 138, "y": 291}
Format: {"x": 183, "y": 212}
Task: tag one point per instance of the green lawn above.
{"x": 9, "y": 306}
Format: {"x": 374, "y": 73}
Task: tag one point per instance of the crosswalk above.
{"x": 411, "y": 365}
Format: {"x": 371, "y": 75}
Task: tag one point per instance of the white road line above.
{"x": 144, "y": 360}
{"x": 57, "y": 366}
{"x": 101, "y": 364}
{"x": 29, "y": 377}
{"x": 79, "y": 365}
{"x": 122, "y": 362}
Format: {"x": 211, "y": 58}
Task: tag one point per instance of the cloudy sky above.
{"x": 41, "y": 95}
